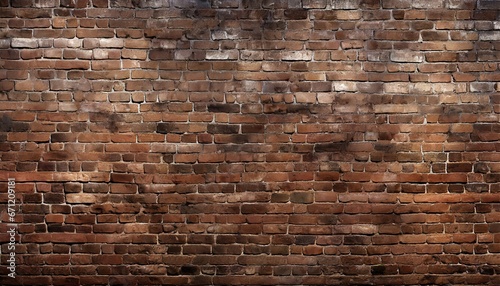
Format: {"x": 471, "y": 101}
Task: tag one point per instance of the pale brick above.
{"x": 297, "y": 56}
{"x": 80, "y": 198}
{"x": 162, "y": 44}
{"x": 222, "y": 55}
{"x": 183, "y": 54}
{"x": 421, "y": 88}
{"x": 111, "y": 43}
{"x": 46, "y": 3}
{"x": 426, "y": 4}
{"x": 24, "y": 43}
{"x": 345, "y": 4}
{"x": 252, "y": 55}
{"x": 67, "y": 43}
{"x": 443, "y": 87}
{"x": 4, "y": 43}
{"x": 68, "y": 107}
{"x": 219, "y": 35}
{"x": 349, "y": 15}
{"x": 407, "y": 57}
{"x": 326, "y": 97}
{"x": 489, "y": 36}
{"x": 345, "y": 86}
{"x": 482, "y": 86}
{"x": 397, "y": 87}
{"x": 314, "y": 4}
{"x": 305, "y": 97}
{"x": 395, "y": 108}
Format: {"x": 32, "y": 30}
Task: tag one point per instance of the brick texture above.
{"x": 251, "y": 142}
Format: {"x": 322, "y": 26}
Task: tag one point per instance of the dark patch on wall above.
{"x": 6, "y": 124}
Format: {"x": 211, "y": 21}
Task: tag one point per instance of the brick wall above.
{"x": 227, "y": 142}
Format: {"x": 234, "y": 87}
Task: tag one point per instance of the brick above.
{"x": 297, "y": 56}
{"x": 222, "y": 55}
{"x": 226, "y": 133}
{"x": 407, "y": 57}
{"x": 24, "y": 43}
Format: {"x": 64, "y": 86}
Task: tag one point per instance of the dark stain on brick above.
{"x": 6, "y": 124}
{"x": 378, "y": 269}
{"x": 108, "y": 120}
{"x": 223, "y": 108}
{"x": 165, "y": 128}
{"x": 223, "y": 129}
{"x": 296, "y": 14}
{"x": 331, "y": 147}
{"x": 481, "y": 168}
{"x": 305, "y": 239}
{"x": 299, "y": 108}
{"x": 189, "y": 270}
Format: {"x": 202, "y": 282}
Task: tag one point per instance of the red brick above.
{"x": 127, "y": 144}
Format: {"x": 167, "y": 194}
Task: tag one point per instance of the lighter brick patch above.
{"x": 345, "y": 86}
{"x": 24, "y": 43}
{"x": 395, "y": 108}
{"x": 183, "y": 54}
{"x": 364, "y": 228}
{"x": 222, "y": 55}
{"x": 4, "y": 43}
{"x": 297, "y": 56}
{"x": 111, "y": 43}
{"x": 164, "y": 44}
{"x": 80, "y": 198}
{"x": 489, "y": 36}
{"x": 406, "y": 57}
{"x": 345, "y": 4}
{"x": 326, "y": 97}
{"x": 397, "y": 87}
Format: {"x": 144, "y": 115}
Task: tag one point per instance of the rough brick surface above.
{"x": 242, "y": 142}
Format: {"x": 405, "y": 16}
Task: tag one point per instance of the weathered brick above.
{"x": 407, "y": 56}
{"x": 346, "y": 139}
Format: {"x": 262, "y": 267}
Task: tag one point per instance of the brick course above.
{"x": 241, "y": 142}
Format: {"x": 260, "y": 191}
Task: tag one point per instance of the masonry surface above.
{"x": 240, "y": 142}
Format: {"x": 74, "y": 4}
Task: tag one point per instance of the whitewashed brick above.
{"x": 397, "y": 87}
{"x": 222, "y": 55}
{"x": 251, "y": 55}
{"x": 164, "y": 44}
{"x": 407, "y": 57}
{"x": 67, "y": 43}
{"x": 111, "y": 43}
{"x": 489, "y": 36}
{"x": 421, "y": 88}
{"x": 24, "y": 43}
{"x": 46, "y": 3}
{"x": 219, "y": 35}
{"x": 345, "y": 4}
{"x": 428, "y": 4}
{"x": 345, "y": 86}
{"x": 296, "y": 56}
